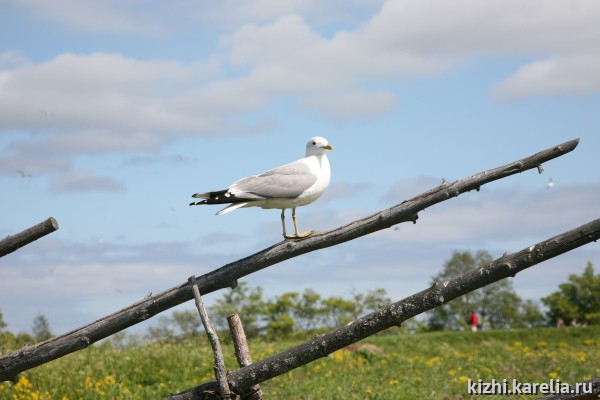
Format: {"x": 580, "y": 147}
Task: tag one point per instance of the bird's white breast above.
{"x": 319, "y": 165}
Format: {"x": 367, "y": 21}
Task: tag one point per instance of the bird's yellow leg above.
{"x": 299, "y": 235}
{"x": 283, "y": 223}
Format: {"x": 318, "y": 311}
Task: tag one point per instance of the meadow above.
{"x": 399, "y": 366}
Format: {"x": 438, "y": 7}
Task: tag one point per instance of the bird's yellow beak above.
{"x": 328, "y": 147}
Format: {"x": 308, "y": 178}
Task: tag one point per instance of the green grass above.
{"x": 434, "y": 365}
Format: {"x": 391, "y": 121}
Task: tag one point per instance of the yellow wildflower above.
{"x": 432, "y": 361}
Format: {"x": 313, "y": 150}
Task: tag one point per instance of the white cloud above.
{"x": 105, "y": 103}
{"x": 563, "y": 75}
{"x": 34, "y": 163}
{"x": 352, "y": 104}
{"x": 287, "y": 56}
{"x": 501, "y": 218}
{"x": 83, "y": 182}
{"x": 101, "y": 90}
{"x": 343, "y": 190}
{"x": 99, "y": 103}
{"x": 12, "y": 59}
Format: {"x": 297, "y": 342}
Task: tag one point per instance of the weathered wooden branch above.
{"x": 396, "y": 313}
{"x": 226, "y": 276}
{"x": 18, "y": 240}
{"x": 242, "y": 353}
{"x": 219, "y": 366}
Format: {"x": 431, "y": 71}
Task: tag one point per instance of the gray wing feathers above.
{"x": 287, "y": 181}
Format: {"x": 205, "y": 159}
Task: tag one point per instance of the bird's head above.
{"x": 317, "y": 146}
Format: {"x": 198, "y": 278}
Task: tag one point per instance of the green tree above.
{"x": 308, "y": 310}
{"x": 162, "y": 330}
{"x": 338, "y": 311}
{"x": 10, "y": 342}
{"x": 41, "y": 328}
{"x": 2, "y": 323}
{"x": 244, "y": 301}
{"x": 530, "y": 315}
{"x": 497, "y": 304}
{"x": 278, "y": 312}
{"x": 187, "y": 322}
{"x": 454, "y": 314}
{"x": 371, "y": 301}
{"x": 375, "y": 299}
{"x": 577, "y": 299}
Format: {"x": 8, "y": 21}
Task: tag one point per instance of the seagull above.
{"x": 550, "y": 184}
{"x": 24, "y": 174}
{"x": 288, "y": 186}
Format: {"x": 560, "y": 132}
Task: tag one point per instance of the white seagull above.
{"x": 24, "y": 174}
{"x": 289, "y": 186}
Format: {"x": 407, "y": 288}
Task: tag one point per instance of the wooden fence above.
{"x": 243, "y": 382}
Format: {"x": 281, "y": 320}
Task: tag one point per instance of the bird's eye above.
{"x": 314, "y": 143}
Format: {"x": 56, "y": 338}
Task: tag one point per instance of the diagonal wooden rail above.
{"x": 394, "y": 314}
{"x": 227, "y": 276}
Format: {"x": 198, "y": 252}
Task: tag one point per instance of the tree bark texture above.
{"x": 219, "y": 366}
{"x": 18, "y": 240}
{"x": 242, "y": 353}
{"x": 227, "y": 276}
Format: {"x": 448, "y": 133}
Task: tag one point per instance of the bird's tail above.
{"x": 231, "y": 207}
{"x": 220, "y": 197}
{"x": 227, "y": 209}
{"x": 209, "y": 198}
{"x": 206, "y": 195}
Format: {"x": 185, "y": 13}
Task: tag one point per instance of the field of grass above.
{"x": 432, "y": 365}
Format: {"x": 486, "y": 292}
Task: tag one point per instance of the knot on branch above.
{"x": 142, "y": 315}
{"x": 511, "y": 268}
{"x": 452, "y": 193}
{"x": 84, "y": 341}
{"x": 437, "y": 295}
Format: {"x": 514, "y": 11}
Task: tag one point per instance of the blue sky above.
{"x": 120, "y": 110}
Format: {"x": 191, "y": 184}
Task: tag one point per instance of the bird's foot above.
{"x": 300, "y": 235}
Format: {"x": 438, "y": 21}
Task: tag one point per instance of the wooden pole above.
{"x": 18, "y": 240}
{"x": 219, "y": 366}
{"x": 242, "y": 353}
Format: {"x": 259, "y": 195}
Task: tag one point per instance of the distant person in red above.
{"x": 474, "y": 321}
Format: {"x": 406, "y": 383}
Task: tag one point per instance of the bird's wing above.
{"x": 287, "y": 181}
